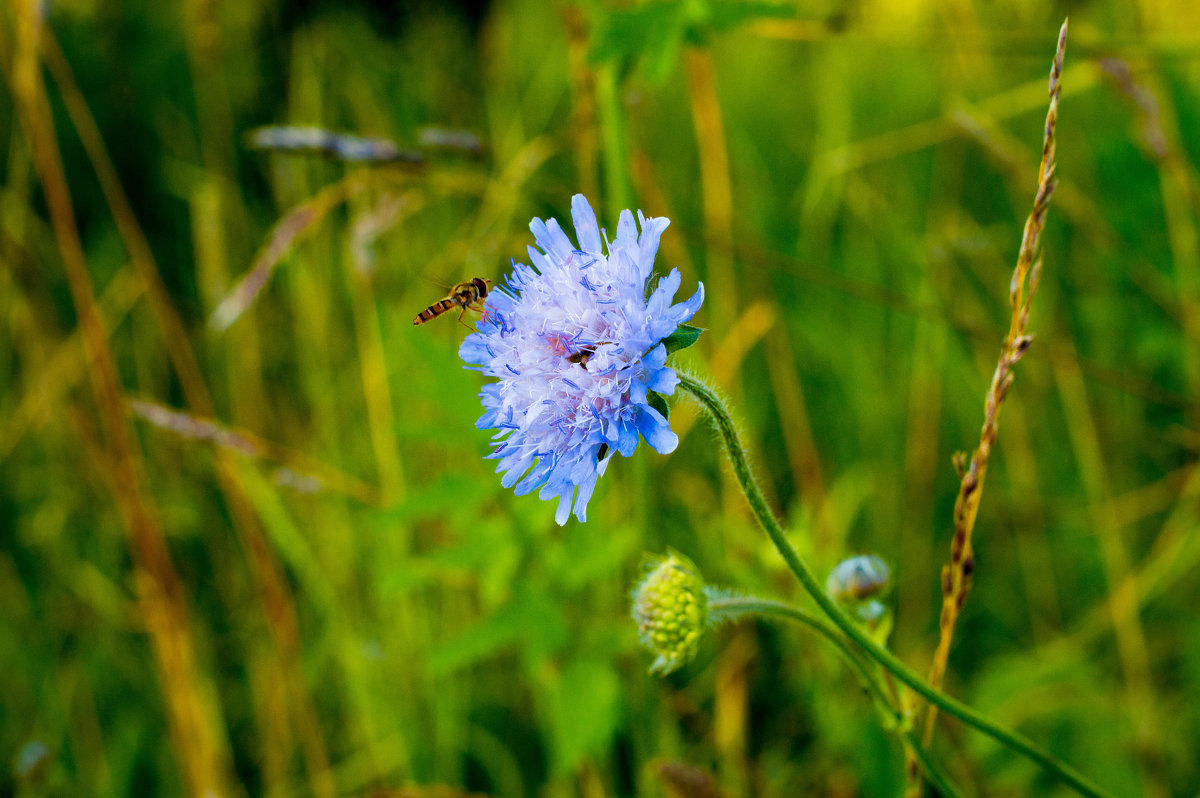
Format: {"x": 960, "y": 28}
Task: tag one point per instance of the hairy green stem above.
{"x": 848, "y": 626}
{"x": 751, "y": 605}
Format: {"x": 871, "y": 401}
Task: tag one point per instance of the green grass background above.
{"x": 362, "y": 609}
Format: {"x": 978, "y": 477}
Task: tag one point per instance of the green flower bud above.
{"x": 877, "y": 617}
{"x": 670, "y": 608}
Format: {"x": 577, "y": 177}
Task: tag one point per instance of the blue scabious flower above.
{"x": 575, "y": 341}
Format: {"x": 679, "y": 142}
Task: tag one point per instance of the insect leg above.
{"x": 465, "y": 308}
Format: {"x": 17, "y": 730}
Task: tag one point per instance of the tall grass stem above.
{"x": 956, "y": 575}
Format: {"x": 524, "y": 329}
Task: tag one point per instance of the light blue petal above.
{"x": 603, "y": 464}
{"x": 655, "y": 359}
{"x": 652, "y": 230}
{"x": 473, "y": 350}
{"x": 657, "y": 431}
{"x": 623, "y": 268}
{"x": 626, "y": 234}
{"x": 551, "y": 238}
{"x": 660, "y": 300}
{"x": 628, "y": 439}
{"x": 538, "y": 260}
{"x": 557, "y": 482}
{"x": 664, "y": 381}
{"x": 564, "y": 507}
{"x": 584, "y": 468}
{"x": 686, "y": 309}
{"x": 637, "y": 392}
{"x": 515, "y": 464}
{"x": 583, "y": 497}
{"x": 535, "y": 478}
{"x": 586, "y": 229}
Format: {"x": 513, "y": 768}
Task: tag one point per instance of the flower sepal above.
{"x": 684, "y": 336}
{"x": 659, "y": 403}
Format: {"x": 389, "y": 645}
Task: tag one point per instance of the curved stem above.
{"x": 752, "y": 605}
{"x": 847, "y": 625}
{"x": 749, "y": 605}
{"x": 935, "y": 776}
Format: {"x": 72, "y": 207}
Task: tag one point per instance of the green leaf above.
{"x": 532, "y": 623}
{"x": 585, "y": 709}
{"x": 684, "y": 336}
{"x": 630, "y": 33}
{"x": 654, "y": 32}
{"x": 659, "y": 403}
{"x": 731, "y": 14}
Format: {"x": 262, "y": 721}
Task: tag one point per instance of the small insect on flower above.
{"x": 468, "y": 295}
{"x": 578, "y": 344}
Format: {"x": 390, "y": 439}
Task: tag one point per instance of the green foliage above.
{"x": 684, "y": 336}
{"x": 585, "y": 712}
{"x": 659, "y": 403}
{"x": 363, "y": 608}
{"x": 656, "y": 31}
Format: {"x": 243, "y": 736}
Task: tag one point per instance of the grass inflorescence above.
{"x": 956, "y": 576}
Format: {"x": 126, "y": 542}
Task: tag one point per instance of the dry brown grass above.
{"x": 956, "y": 575}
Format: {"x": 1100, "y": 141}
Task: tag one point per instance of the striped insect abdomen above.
{"x": 435, "y": 310}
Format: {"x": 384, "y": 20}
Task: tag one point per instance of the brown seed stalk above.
{"x": 956, "y": 575}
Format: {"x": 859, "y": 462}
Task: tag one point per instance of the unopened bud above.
{"x": 859, "y": 584}
{"x": 670, "y": 608}
{"x": 859, "y": 578}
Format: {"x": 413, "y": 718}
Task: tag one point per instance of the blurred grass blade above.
{"x": 449, "y": 140}
{"x": 339, "y": 146}
{"x": 297, "y": 470}
{"x": 194, "y": 717}
{"x": 297, "y": 223}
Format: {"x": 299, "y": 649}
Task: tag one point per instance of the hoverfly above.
{"x": 467, "y": 295}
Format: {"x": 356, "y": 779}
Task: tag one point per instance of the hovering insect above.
{"x": 467, "y": 295}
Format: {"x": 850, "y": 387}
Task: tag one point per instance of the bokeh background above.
{"x": 257, "y": 551}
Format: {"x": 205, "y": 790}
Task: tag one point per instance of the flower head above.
{"x": 575, "y": 341}
{"x": 670, "y": 606}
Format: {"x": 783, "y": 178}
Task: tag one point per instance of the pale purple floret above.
{"x": 576, "y": 345}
